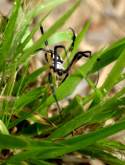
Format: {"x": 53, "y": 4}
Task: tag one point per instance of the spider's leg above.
{"x": 42, "y": 32}
{"x": 77, "y": 57}
{"x": 67, "y": 74}
{"x": 53, "y": 91}
{"x": 73, "y": 39}
{"x": 46, "y": 44}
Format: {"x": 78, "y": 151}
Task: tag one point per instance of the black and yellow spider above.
{"x": 54, "y": 59}
{"x": 56, "y": 63}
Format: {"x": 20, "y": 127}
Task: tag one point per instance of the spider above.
{"x": 53, "y": 57}
{"x": 56, "y": 63}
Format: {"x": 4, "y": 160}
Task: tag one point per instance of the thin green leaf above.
{"x": 60, "y": 37}
{"x": 106, "y": 157}
{"x": 28, "y": 98}
{"x": 9, "y": 32}
{"x": 109, "y": 55}
{"x": 3, "y": 128}
{"x": 7, "y": 141}
{"x": 115, "y": 73}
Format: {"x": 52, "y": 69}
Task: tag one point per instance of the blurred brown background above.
{"x": 108, "y": 19}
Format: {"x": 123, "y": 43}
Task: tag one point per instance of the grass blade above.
{"x": 7, "y": 141}
{"x": 115, "y": 73}
{"x": 9, "y": 32}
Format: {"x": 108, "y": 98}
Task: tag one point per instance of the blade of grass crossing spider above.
{"x": 46, "y": 35}
{"x": 65, "y": 90}
{"x": 9, "y": 32}
{"x": 115, "y": 73}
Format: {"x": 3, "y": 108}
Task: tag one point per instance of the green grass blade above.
{"x": 9, "y": 32}
{"x": 106, "y": 157}
{"x": 90, "y": 138}
{"x": 60, "y": 37}
{"x": 108, "y": 144}
{"x": 3, "y": 128}
{"x": 115, "y": 73}
{"x": 7, "y": 141}
{"x": 28, "y": 79}
{"x": 109, "y": 55}
{"x": 28, "y": 98}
